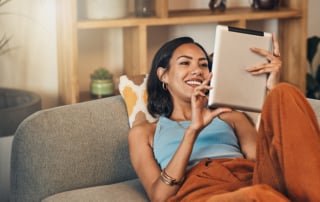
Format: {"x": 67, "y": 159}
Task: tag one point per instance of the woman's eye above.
{"x": 204, "y": 65}
{"x": 184, "y": 63}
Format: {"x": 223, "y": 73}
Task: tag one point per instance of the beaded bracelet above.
{"x": 165, "y": 178}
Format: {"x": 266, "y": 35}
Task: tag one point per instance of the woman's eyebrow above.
{"x": 184, "y": 56}
{"x": 200, "y": 59}
{"x": 189, "y": 57}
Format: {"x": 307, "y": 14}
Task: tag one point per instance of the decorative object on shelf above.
{"x": 219, "y": 5}
{"x": 313, "y": 75}
{"x": 101, "y": 83}
{"x": 144, "y": 8}
{"x": 265, "y": 4}
{"x": 106, "y": 9}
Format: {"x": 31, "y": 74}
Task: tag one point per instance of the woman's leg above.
{"x": 254, "y": 193}
{"x": 288, "y": 154}
{"x": 225, "y": 180}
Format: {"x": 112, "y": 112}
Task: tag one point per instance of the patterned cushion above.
{"x": 133, "y": 90}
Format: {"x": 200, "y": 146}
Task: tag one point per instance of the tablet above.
{"x": 232, "y": 85}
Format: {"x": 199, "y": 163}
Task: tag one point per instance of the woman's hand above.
{"x": 201, "y": 114}
{"x": 272, "y": 67}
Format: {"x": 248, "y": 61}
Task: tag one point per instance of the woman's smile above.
{"x": 194, "y": 82}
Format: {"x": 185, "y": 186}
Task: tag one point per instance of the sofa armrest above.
{"x": 70, "y": 147}
{"x": 315, "y": 104}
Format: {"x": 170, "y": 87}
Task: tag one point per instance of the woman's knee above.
{"x": 285, "y": 92}
{"x": 285, "y": 87}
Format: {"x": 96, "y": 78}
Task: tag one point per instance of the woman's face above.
{"x": 188, "y": 68}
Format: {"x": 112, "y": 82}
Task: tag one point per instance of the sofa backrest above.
{"x": 69, "y": 147}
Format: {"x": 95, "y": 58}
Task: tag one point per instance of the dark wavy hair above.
{"x": 160, "y": 100}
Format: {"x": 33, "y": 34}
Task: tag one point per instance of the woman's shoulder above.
{"x": 233, "y": 117}
{"x": 143, "y": 128}
{"x": 143, "y": 132}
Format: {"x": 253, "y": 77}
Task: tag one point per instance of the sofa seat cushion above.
{"x": 130, "y": 190}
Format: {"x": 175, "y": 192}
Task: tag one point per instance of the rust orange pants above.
{"x": 288, "y": 159}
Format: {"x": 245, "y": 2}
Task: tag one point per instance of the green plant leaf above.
{"x": 312, "y": 44}
{"x": 101, "y": 74}
{"x": 3, "y": 44}
{"x": 4, "y": 40}
{"x": 2, "y": 2}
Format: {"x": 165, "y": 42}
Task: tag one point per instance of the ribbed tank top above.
{"x": 217, "y": 140}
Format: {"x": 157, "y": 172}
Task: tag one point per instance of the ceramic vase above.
{"x": 101, "y": 88}
{"x": 106, "y": 9}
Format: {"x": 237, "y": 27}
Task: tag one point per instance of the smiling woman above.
{"x": 196, "y": 153}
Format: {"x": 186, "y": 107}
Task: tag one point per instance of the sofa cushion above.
{"x": 133, "y": 90}
{"x": 131, "y": 190}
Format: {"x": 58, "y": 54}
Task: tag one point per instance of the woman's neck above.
{"x": 181, "y": 111}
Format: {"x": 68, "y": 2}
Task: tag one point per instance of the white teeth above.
{"x": 194, "y": 82}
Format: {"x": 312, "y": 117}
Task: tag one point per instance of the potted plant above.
{"x": 3, "y": 39}
{"x": 101, "y": 83}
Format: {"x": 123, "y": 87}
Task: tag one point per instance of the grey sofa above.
{"x": 77, "y": 153}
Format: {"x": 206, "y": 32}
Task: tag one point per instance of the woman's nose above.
{"x": 196, "y": 72}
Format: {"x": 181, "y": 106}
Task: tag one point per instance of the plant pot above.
{"x": 15, "y": 106}
{"x": 106, "y": 9}
{"x": 101, "y": 88}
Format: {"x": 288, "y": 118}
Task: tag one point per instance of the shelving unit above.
{"x": 292, "y": 28}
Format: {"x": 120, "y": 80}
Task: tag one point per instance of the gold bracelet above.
{"x": 165, "y": 178}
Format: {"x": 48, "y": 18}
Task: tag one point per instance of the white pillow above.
{"x": 134, "y": 92}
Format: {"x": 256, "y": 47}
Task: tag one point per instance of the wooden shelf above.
{"x": 292, "y": 34}
{"x": 193, "y": 16}
{"x": 233, "y": 14}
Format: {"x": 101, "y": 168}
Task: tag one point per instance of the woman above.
{"x": 196, "y": 154}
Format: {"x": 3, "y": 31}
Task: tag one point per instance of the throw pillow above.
{"x": 134, "y": 92}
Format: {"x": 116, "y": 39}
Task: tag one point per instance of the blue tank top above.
{"x": 217, "y": 140}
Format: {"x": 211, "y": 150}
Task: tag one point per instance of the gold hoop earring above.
{"x": 164, "y": 86}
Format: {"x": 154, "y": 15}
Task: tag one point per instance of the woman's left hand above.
{"x": 201, "y": 114}
{"x": 272, "y": 67}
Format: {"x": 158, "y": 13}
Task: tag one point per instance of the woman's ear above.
{"x": 161, "y": 73}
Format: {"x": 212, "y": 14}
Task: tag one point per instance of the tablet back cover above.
{"x": 232, "y": 85}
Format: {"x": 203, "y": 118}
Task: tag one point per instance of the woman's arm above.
{"x": 245, "y": 132}
{"x": 146, "y": 167}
